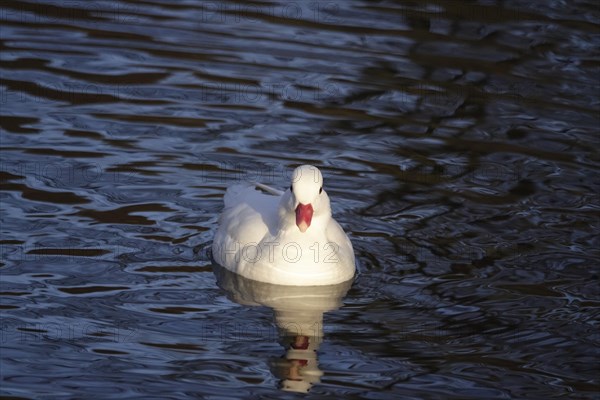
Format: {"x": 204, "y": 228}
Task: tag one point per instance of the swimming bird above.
{"x": 283, "y": 237}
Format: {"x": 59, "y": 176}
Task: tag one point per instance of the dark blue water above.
{"x": 459, "y": 144}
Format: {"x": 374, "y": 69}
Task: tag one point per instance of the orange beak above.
{"x": 304, "y": 215}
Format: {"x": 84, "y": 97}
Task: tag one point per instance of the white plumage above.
{"x": 285, "y": 238}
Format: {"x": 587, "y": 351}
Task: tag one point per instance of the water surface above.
{"x": 459, "y": 143}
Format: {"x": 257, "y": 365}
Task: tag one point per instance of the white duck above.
{"x": 285, "y": 238}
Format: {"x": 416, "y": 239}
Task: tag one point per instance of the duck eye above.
{"x": 321, "y": 189}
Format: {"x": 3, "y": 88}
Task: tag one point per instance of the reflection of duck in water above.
{"x": 298, "y": 369}
{"x": 299, "y": 318}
